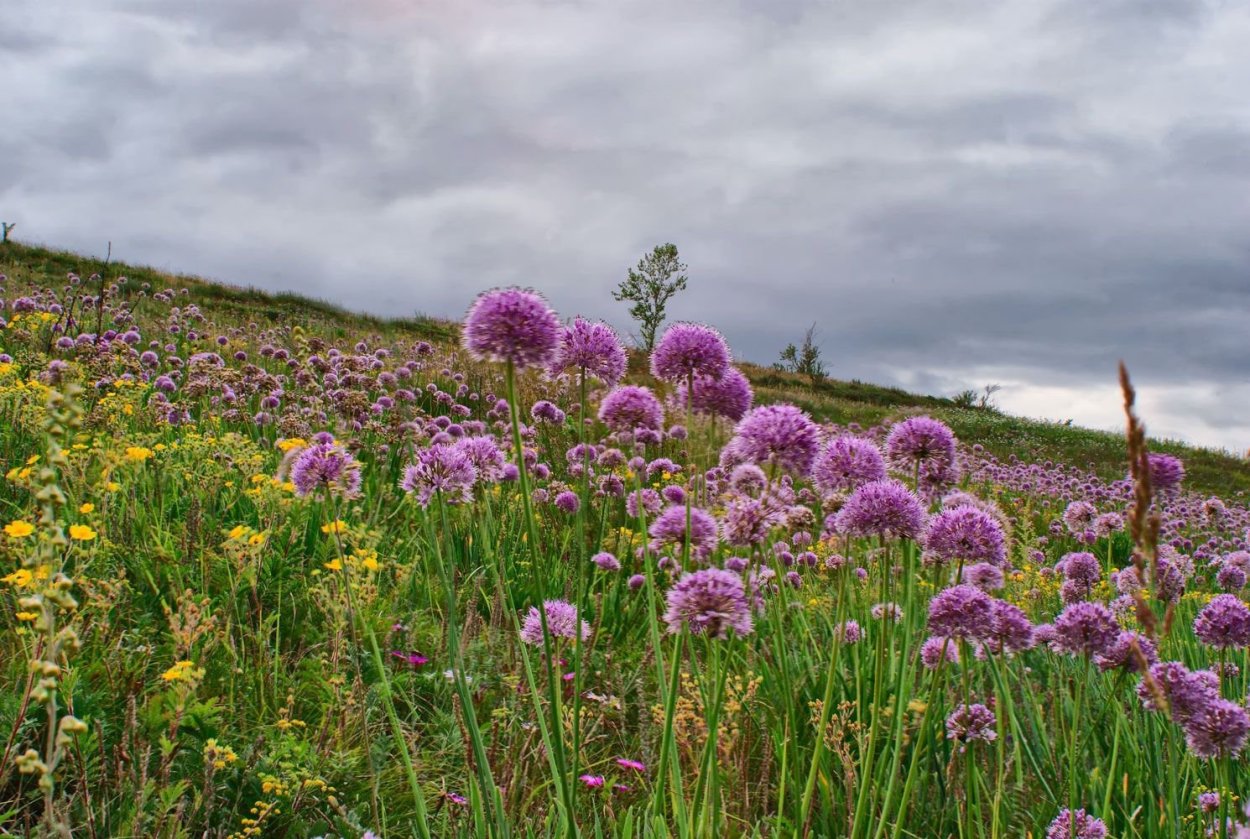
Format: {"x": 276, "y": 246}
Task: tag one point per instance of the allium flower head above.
{"x": 961, "y": 612}
{"x": 845, "y": 463}
{"x": 512, "y": 324}
{"x": 709, "y": 601}
{"x": 1184, "y": 692}
{"x": 1166, "y": 472}
{"x": 778, "y": 435}
{"x": 1217, "y": 729}
{"x": 1086, "y": 629}
{"x": 984, "y": 576}
{"x": 591, "y": 346}
{"x": 669, "y": 531}
{"x": 1224, "y": 622}
{"x": 1081, "y": 568}
{"x": 441, "y": 468}
{"x": 1078, "y": 825}
{"x": 1128, "y": 652}
{"x": 917, "y": 441}
{"x": 326, "y": 465}
{"x": 1079, "y": 516}
{"x": 967, "y": 534}
{"x": 882, "y": 508}
{"x": 689, "y": 349}
{"x": 936, "y": 648}
{"x": 1010, "y": 628}
{"x": 562, "y": 622}
{"x": 969, "y": 723}
{"x": 629, "y": 407}
{"x": 729, "y": 396}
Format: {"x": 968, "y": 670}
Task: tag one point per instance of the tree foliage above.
{"x": 650, "y": 285}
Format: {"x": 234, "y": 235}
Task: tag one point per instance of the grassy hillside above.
{"x": 834, "y": 400}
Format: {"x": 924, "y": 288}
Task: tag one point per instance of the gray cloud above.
{"x": 951, "y": 190}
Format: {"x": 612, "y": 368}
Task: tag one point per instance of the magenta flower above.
{"x": 961, "y": 612}
{"x": 326, "y": 465}
{"x": 629, "y": 407}
{"x": 882, "y": 508}
{"x": 845, "y": 463}
{"x": 562, "y": 622}
{"x": 441, "y": 468}
{"x": 920, "y": 441}
{"x": 710, "y": 601}
{"x": 777, "y": 435}
{"x": 689, "y": 349}
{"x": 1078, "y": 825}
{"x": 592, "y": 347}
{"x": 964, "y": 533}
{"x": 1224, "y": 623}
{"x": 729, "y": 396}
{"x": 634, "y": 765}
{"x": 512, "y": 325}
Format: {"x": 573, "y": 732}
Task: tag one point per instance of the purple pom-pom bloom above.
{"x": 1224, "y": 622}
{"x": 1219, "y": 728}
{"x": 592, "y": 347}
{"x": 846, "y": 463}
{"x": 689, "y": 349}
{"x": 512, "y": 325}
{"x": 1185, "y": 693}
{"x": 961, "y": 612}
{"x": 669, "y": 531}
{"x": 1010, "y": 628}
{"x": 441, "y": 468}
{"x": 936, "y": 648}
{"x": 630, "y": 407}
{"x": 568, "y": 502}
{"x": 920, "y": 441}
{"x": 729, "y": 396}
{"x": 1086, "y": 629}
{"x": 710, "y": 601}
{"x": 1078, "y": 825}
{"x": 562, "y": 622}
{"x": 1128, "y": 653}
{"x": 326, "y": 465}
{"x": 777, "y": 435}
{"x": 881, "y": 508}
{"x": 964, "y": 533}
{"x": 606, "y": 561}
{"x": 969, "y": 723}
{"x": 1166, "y": 472}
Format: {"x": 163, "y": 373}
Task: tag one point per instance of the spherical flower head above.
{"x": 512, "y": 325}
{"x": 606, "y": 561}
{"x": 689, "y": 349}
{"x": 1079, "y": 516}
{"x": 961, "y": 612}
{"x": 917, "y": 441}
{"x": 326, "y": 465}
{"x": 710, "y": 601}
{"x": 969, "y": 723}
{"x": 748, "y": 479}
{"x": 937, "y": 648}
{"x": 1224, "y": 623}
{"x": 1086, "y": 629}
{"x": 1218, "y": 729}
{"x": 1166, "y": 472}
{"x": 967, "y": 534}
{"x": 729, "y": 396}
{"x": 643, "y": 502}
{"x": 778, "y": 435}
{"x": 1081, "y": 568}
{"x": 1231, "y": 577}
{"x": 1176, "y": 689}
{"x": 442, "y": 468}
{"x": 1129, "y": 652}
{"x": 1078, "y": 825}
{"x": 593, "y": 347}
{"x": 984, "y": 576}
{"x": 851, "y": 632}
{"x": 1011, "y": 631}
{"x": 882, "y": 508}
{"x": 845, "y": 463}
{"x": 629, "y": 407}
{"x": 485, "y": 455}
{"x": 562, "y": 622}
{"x": 669, "y": 531}
{"x": 568, "y": 502}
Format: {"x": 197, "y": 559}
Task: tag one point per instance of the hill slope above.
{"x": 1208, "y": 470}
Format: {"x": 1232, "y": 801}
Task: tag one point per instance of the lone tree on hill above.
{"x": 804, "y": 360}
{"x": 658, "y": 276}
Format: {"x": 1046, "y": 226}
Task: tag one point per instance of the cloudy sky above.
{"x": 957, "y": 193}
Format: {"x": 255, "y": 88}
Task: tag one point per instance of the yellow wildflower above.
{"x": 26, "y": 616}
{"x": 138, "y": 453}
{"x": 239, "y": 531}
{"x": 87, "y": 508}
{"x": 19, "y": 578}
{"x": 81, "y": 533}
{"x": 19, "y": 529}
{"x": 112, "y": 486}
{"x": 339, "y": 526}
{"x": 334, "y": 565}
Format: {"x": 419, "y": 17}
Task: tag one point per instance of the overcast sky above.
{"x": 1020, "y": 192}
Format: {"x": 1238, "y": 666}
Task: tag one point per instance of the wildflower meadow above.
{"x": 267, "y": 574}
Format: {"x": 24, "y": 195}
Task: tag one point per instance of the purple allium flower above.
{"x": 1128, "y": 652}
{"x": 669, "y": 530}
{"x": 1108, "y": 523}
{"x": 486, "y": 457}
{"x": 937, "y": 647}
{"x": 568, "y": 502}
{"x": 544, "y": 411}
{"x": 1081, "y": 568}
{"x": 1218, "y": 728}
{"x": 1086, "y": 629}
{"x": 1010, "y": 628}
{"x": 984, "y": 576}
{"x": 1079, "y": 517}
{"x": 606, "y": 561}
{"x": 920, "y": 441}
{"x": 326, "y": 465}
{"x": 441, "y": 468}
{"x": 846, "y": 463}
{"x": 562, "y": 622}
{"x": 1224, "y": 622}
{"x": 636, "y": 582}
{"x": 1078, "y": 825}
{"x": 850, "y": 632}
{"x": 689, "y": 349}
{"x": 777, "y": 435}
{"x": 629, "y": 407}
{"x": 729, "y": 396}
{"x": 961, "y": 612}
{"x": 886, "y": 611}
{"x": 748, "y": 478}
{"x": 646, "y": 501}
{"x": 882, "y": 508}
{"x": 968, "y": 723}
{"x": 591, "y": 346}
{"x": 1209, "y": 802}
{"x": 964, "y": 533}
{"x": 711, "y": 601}
{"x": 1231, "y": 577}
{"x": 1166, "y": 472}
{"x": 1184, "y": 692}
{"x": 512, "y": 325}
